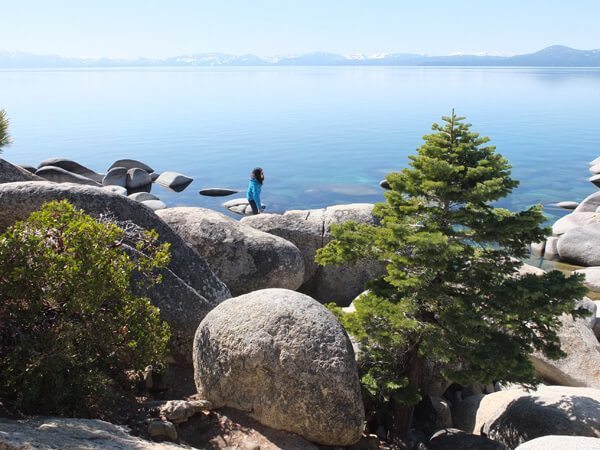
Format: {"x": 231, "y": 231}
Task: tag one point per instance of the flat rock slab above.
{"x": 131, "y": 164}
{"x": 59, "y": 433}
{"x": 218, "y": 192}
{"x": 116, "y": 189}
{"x": 174, "y": 180}
{"x": 58, "y": 175}
{"x": 568, "y": 205}
{"x": 555, "y": 442}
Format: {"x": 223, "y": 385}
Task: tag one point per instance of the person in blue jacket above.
{"x": 257, "y": 177}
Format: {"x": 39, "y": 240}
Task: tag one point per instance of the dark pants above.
{"x": 253, "y": 206}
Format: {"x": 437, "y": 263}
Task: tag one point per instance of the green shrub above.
{"x": 70, "y": 328}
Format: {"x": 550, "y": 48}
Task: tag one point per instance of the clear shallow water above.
{"x": 323, "y": 135}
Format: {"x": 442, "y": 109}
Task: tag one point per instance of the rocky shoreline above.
{"x": 244, "y": 301}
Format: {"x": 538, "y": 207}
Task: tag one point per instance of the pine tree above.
{"x": 4, "y": 136}
{"x": 451, "y": 298}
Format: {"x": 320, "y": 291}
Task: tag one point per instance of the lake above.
{"x": 324, "y": 135}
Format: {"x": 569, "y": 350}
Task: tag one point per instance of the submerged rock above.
{"x": 568, "y": 205}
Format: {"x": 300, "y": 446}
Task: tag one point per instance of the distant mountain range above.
{"x": 554, "y": 56}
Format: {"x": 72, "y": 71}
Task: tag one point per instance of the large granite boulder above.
{"x": 553, "y": 442}
{"x": 18, "y": 200}
{"x": 515, "y": 416}
{"x": 590, "y": 203}
{"x": 181, "y": 306}
{"x": 59, "y": 175}
{"x": 574, "y": 220}
{"x": 592, "y": 277}
{"x": 581, "y": 365}
{"x": 73, "y": 167}
{"x": 310, "y": 230}
{"x": 138, "y": 180}
{"x": 305, "y": 233}
{"x": 117, "y": 176}
{"x": 581, "y": 246}
{"x": 131, "y": 164}
{"x": 244, "y": 258}
{"x": 10, "y": 173}
{"x": 60, "y": 433}
{"x": 283, "y": 358}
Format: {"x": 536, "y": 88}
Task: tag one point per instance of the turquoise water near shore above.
{"x": 323, "y": 135}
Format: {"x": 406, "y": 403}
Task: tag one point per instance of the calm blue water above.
{"x": 323, "y": 135}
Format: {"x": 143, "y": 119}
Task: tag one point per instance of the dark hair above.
{"x": 257, "y": 174}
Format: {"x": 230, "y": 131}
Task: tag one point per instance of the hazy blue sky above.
{"x": 158, "y": 28}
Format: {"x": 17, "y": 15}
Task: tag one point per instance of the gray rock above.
{"x": 513, "y": 417}
{"x": 116, "y": 189}
{"x": 594, "y": 162}
{"x": 574, "y": 220}
{"x": 10, "y": 173}
{"x": 385, "y": 185}
{"x": 181, "y": 306}
{"x": 178, "y": 411}
{"x": 117, "y": 176}
{"x": 218, "y": 192}
{"x": 537, "y": 248}
{"x": 173, "y": 180}
{"x": 592, "y": 278}
{"x": 306, "y": 234}
{"x": 58, "y": 175}
{"x": 18, "y": 200}
{"x": 235, "y": 202}
{"x": 568, "y": 205}
{"x": 595, "y": 169}
{"x": 340, "y": 284}
{"x": 284, "y": 358}
{"x": 453, "y": 439}
{"x": 73, "y": 167}
{"x": 29, "y": 168}
{"x": 595, "y": 180}
{"x": 581, "y": 365}
{"x": 131, "y": 164}
{"x": 154, "y": 176}
{"x": 551, "y": 249}
{"x": 138, "y": 180}
{"x": 154, "y": 205}
{"x": 581, "y": 246}
{"x": 527, "y": 269}
{"x": 590, "y": 203}
{"x": 59, "y": 433}
{"x": 244, "y": 258}
{"x": 162, "y": 429}
{"x": 143, "y": 196}
{"x": 554, "y": 442}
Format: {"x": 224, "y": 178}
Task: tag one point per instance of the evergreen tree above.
{"x": 451, "y": 298}
{"x": 4, "y": 136}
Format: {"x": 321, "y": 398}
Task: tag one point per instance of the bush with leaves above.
{"x": 70, "y": 328}
{"x": 451, "y": 297}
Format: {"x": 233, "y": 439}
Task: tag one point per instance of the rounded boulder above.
{"x": 244, "y": 258}
{"x": 284, "y": 359}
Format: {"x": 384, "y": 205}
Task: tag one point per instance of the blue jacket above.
{"x": 253, "y": 192}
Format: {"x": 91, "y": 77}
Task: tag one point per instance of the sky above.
{"x": 161, "y": 28}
